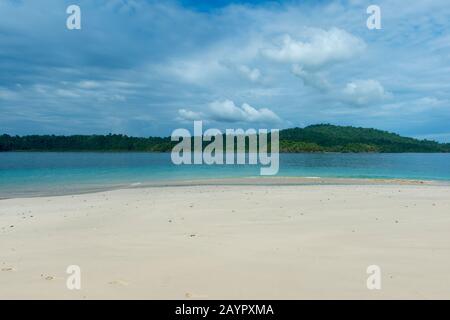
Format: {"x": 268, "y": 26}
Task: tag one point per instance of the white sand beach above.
{"x": 303, "y": 241}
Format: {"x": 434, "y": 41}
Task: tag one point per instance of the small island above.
{"x": 314, "y": 138}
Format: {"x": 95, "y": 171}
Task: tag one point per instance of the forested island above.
{"x": 314, "y": 138}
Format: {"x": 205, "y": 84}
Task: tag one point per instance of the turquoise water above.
{"x": 39, "y": 173}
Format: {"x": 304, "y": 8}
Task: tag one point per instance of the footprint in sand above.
{"x": 190, "y": 295}
{"x": 8, "y": 269}
{"x": 50, "y": 278}
{"x": 47, "y": 277}
{"x": 119, "y": 283}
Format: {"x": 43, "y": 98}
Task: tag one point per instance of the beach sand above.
{"x": 254, "y": 241}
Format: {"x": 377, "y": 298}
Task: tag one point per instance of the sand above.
{"x": 304, "y": 241}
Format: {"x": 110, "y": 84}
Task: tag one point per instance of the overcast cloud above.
{"x": 142, "y": 67}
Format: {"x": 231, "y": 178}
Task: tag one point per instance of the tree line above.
{"x": 315, "y": 138}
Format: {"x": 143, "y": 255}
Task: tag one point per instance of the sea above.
{"x": 24, "y": 174}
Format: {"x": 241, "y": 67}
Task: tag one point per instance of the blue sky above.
{"x": 142, "y": 67}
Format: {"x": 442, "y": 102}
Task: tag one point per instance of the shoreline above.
{"x": 229, "y": 242}
{"x": 244, "y": 181}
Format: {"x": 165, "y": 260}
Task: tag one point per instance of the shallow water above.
{"x": 39, "y": 173}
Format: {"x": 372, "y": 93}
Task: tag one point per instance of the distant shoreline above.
{"x": 311, "y": 139}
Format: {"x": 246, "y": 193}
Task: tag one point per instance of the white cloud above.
{"x": 321, "y": 48}
{"x": 253, "y": 74}
{"x": 177, "y": 59}
{"x": 227, "y": 111}
{"x": 362, "y": 92}
{"x": 311, "y": 79}
{"x": 190, "y": 115}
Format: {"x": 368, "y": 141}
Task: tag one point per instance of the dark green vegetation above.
{"x": 329, "y": 138}
{"x": 316, "y": 138}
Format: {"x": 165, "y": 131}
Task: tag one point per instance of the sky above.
{"x": 145, "y": 68}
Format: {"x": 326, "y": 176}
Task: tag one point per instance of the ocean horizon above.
{"x": 25, "y": 174}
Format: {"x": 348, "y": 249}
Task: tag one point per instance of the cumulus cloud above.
{"x": 71, "y": 84}
{"x": 189, "y": 115}
{"x": 321, "y": 47}
{"x": 311, "y": 79}
{"x": 363, "y": 92}
{"x": 318, "y": 49}
{"x": 227, "y": 111}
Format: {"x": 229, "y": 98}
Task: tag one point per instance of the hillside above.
{"x": 331, "y": 138}
{"x": 315, "y": 138}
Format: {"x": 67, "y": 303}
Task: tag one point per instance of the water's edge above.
{"x": 249, "y": 181}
